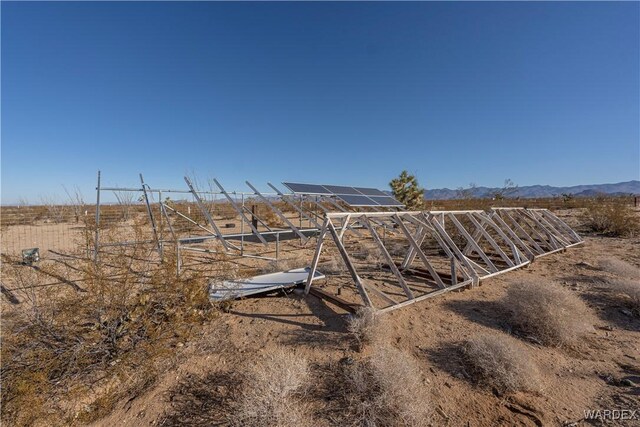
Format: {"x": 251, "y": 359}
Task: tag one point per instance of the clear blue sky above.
{"x": 344, "y": 93}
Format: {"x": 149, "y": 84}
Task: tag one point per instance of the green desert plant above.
{"x": 407, "y": 190}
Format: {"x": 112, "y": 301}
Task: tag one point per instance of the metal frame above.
{"x": 492, "y": 247}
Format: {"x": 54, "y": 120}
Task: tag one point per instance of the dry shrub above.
{"x": 499, "y": 362}
{"x": 331, "y": 266}
{"x": 611, "y": 217}
{"x": 284, "y": 265}
{"x": 548, "y": 313}
{"x": 366, "y": 327}
{"x": 370, "y": 254}
{"x": 272, "y": 392}
{"x": 631, "y": 289}
{"x": 270, "y": 217}
{"x": 628, "y": 281}
{"x": 99, "y": 343}
{"x": 619, "y": 268}
{"x": 385, "y": 390}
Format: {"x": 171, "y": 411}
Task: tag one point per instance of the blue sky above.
{"x": 338, "y": 93}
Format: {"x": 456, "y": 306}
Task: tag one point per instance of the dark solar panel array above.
{"x": 353, "y": 196}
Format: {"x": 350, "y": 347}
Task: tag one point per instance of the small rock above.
{"x": 626, "y": 382}
{"x": 626, "y": 312}
{"x": 347, "y": 361}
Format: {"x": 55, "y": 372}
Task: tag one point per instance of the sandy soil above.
{"x": 574, "y": 380}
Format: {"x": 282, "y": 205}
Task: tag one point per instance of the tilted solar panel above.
{"x": 386, "y": 201}
{"x": 341, "y": 189}
{"x": 356, "y": 200}
{"x": 306, "y": 188}
{"x": 370, "y": 191}
{"x": 353, "y": 196}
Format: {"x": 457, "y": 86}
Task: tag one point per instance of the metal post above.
{"x": 97, "y": 238}
{"x": 150, "y": 212}
{"x": 277, "y": 245}
{"x": 178, "y": 261}
{"x": 242, "y": 229}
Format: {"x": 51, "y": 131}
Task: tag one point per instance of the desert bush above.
{"x": 547, "y": 313}
{"x": 630, "y": 288}
{"x": 101, "y": 341}
{"x": 499, "y": 362}
{"x": 610, "y": 217}
{"x": 331, "y": 266}
{"x": 619, "y": 268}
{"x": 272, "y": 392}
{"x": 366, "y": 327}
{"x": 284, "y": 265}
{"x": 269, "y": 216}
{"x": 370, "y": 254}
{"x": 628, "y": 281}
{"x": 384, "y": 390}
{"x": 56, "y": 211}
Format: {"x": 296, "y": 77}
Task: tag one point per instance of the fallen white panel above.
{"x": 231, "y": 289}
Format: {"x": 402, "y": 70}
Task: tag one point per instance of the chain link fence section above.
{"x": 50, "y": 228}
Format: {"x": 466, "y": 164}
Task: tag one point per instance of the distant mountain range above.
{"x": 535, "y": 191}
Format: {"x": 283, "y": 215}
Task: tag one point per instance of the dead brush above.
{"x": 272, "y": 392}
{"x": 366, "y": 327}
{"x": 628, "y": 281}
{"x": 330, "y": 266}
{"x": 68, "y": 345}
{"x": 500, "y": 363}
{"x": 384, "y": 390}
{"x": 284, "y": 265}
{"x": 611, "y": 217}
{"x": 619, "y": 268}
{"x": 547, "y": 313}
{"x": 370, "y": 254}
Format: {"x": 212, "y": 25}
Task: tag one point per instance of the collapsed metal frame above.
{"x": 494, "y": 242}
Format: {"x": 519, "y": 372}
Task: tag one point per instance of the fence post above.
{"x": 97, "y": 237}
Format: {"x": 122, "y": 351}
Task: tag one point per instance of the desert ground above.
{"x": 201, "y": 375}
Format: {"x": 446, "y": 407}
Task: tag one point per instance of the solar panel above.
{"x": 353, "y": 196}
{"x": 306, "y": 188}
{"x": 370, "y": 191}
{"x": 356, "y": 200}
{"x": 341, "y": 189}
{"x": 386, "y": 201}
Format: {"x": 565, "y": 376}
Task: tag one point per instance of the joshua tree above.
{"x": 406, "y": 189}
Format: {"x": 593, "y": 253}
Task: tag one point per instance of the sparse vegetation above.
{"x": 284, "y": 265}
{"x": 627, "y": 281}
{"x": 273, "y": 391}
{"x": 384, "y": 390}
{"x": 619, "y": 268}
{"x": 500, "y": 363}
{"x": 611, "y": 217}
{"x": 365, "y": 327}
{"x": 370, "y": 254}
{"x": 94, "y": 337}
{"x": 547, "y": 313}
{"x": 331, "y": 266}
